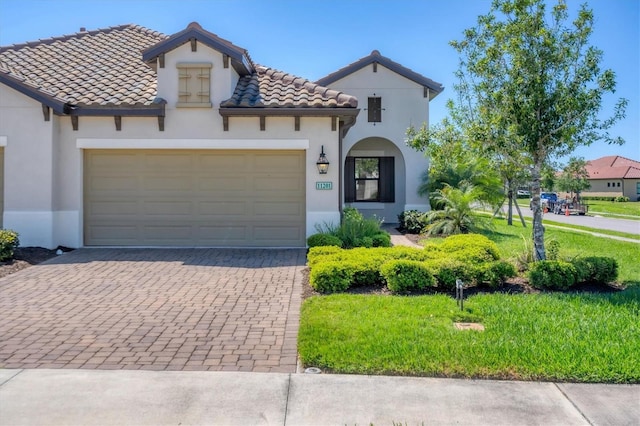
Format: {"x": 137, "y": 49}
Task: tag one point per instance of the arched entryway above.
{"x": 375, "y": 179}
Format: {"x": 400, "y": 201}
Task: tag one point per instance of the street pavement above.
{"x": 99, "y": 397}
{"x": 629, "y": 226}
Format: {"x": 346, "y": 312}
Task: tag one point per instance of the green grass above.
{"x": 557, "y": 336}
{"x": 510, "y": 241}
{"x": 581, "y": 337}
{"x": 611, "y": 208}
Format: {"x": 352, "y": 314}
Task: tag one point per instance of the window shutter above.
{"x": 387, "y": 180}
{"x": 350, "y": 180}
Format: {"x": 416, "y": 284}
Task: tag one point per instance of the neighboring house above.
{"x": 127, "y": 137}
{"x": 614, "y": 176}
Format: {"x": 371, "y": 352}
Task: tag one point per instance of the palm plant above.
{"x": 454, "y": 214}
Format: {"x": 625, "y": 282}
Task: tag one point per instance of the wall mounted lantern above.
{"x": 322, "y": 163}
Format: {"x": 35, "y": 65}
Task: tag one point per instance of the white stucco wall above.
{"x": 28, "y": 168}
{"x": 404, "y": 105}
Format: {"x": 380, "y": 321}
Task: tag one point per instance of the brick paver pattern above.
{"x": 155, "y": 309}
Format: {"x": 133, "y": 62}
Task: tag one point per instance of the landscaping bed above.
{"x": 25, "y": 257}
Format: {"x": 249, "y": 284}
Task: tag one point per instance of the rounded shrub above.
{"x": 382, "y": 239}
{"x": 447, "y": 270}
{"x": 474, "y": 247}
{"x": 494, "y": 274}
{"x": 319, "y": 252}
{"x": 552, "y": 275}
{"x": 8, "y": 243}
{"x": 331, "y": 277}
{"x": 318, "y": 240}
{"x": 403, "y": 276}
{"x": 596, "y": 269}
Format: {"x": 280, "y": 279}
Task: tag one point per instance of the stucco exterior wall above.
{"x": 28, "y": 168}
{"x": 404, "y": 105}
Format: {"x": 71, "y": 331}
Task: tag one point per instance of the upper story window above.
{"x": 375, "y": 109}
{"x": 194, "y": 85}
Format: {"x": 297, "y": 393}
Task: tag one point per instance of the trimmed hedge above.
{"x": 318, "y": 240}
{"x": 8, "y": 243}
{"x": 402, "y": 276}
{"x": 331, "y": 277}
{"x": 471, "y": 258}
{"x": 595, "y": 269}
{"x": 494, "y": 274}
{"x": 471, "y": 247}
{"x": 446, "y": 270}
{"x": 552, "y": 275}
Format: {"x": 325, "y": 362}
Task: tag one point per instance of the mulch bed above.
{"x": 25, "y": 257}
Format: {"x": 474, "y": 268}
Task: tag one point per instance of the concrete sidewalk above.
{"x": 99, "y": 397}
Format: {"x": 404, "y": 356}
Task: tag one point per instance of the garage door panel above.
{"x": 223, "y": 161}
{"x": 195, "y": 198}
{"x": 226, "y": 208}
{"x": 167, "y": 182}
{"x": 169, "y": 208}
{"x": 224, "y": 183}
{"x": 282, "y": 234}
{"x": 168, "y": 162}
{"x": 277, "y": 210}
{"x": 114, "y": 208}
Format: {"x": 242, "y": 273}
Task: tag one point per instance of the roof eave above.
{"x": 434, "y": 87}
{"x": 287, "y": 112}
{"x": 57, "y": 105}
{"x": 156, "y": 109}
{"x": 239, "y": 59}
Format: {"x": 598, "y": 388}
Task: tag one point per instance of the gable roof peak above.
{"x": 240, "y": 59}
{"x": 434, "y": 87}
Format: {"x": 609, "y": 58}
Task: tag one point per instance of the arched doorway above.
{"x": 375, "y": 179}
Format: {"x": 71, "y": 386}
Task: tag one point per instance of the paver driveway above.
{"x": 159, "y": 309}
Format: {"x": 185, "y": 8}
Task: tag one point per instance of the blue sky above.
{"x": 312, "y": 38}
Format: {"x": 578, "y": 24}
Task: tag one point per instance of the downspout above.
{"x": 345, "y": 125}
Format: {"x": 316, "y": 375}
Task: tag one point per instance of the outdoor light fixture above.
{"x": 322, "y": 163}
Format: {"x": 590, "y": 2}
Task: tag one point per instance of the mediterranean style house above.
{"x": 127, "y": 137}
{"x": 614, "y": 176}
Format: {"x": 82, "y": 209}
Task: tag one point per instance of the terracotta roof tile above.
{"x": 613, "y": 167}
{"x": 271, "y": 88}
{"x": 98, "y": 67}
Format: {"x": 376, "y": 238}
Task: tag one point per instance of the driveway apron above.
{"x": 155, "y": 309}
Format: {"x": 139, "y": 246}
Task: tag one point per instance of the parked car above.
{"x": 523, "y": 193}
{"x": 547, "y": 199}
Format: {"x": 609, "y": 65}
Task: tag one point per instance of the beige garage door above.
{"x": 194, "y": 198}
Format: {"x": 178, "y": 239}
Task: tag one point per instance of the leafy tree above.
{"x": 574, "y": 177}
{"x": 452, "y": 162}
{"x": 548, "y": 178}
{"x": 529, "y": 82}
{"x": 454, "y": 213}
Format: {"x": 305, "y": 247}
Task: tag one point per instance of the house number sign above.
{"x": 324, "y": 185}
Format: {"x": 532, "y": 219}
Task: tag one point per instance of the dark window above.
{"x": 618, "y": 185}
{"x": 375, "y": 109}
{"x": 369, "y": 179}
{"x": 608, "y": 184}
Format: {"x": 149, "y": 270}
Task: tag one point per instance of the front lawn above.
{"x": 555, "y": 336}
{"x": 581, "y": 337}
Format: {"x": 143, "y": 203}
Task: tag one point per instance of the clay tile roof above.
{"x": 270, "y": 88}
{"x": 375, "y": 57}
{"x": 100, "y": 67}
{"x": 613, "y": 167}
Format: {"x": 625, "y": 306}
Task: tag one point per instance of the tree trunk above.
{"x": 538, "y": 229}
{"x": 510, "y": 212}
{"x": 524, "y": 224}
